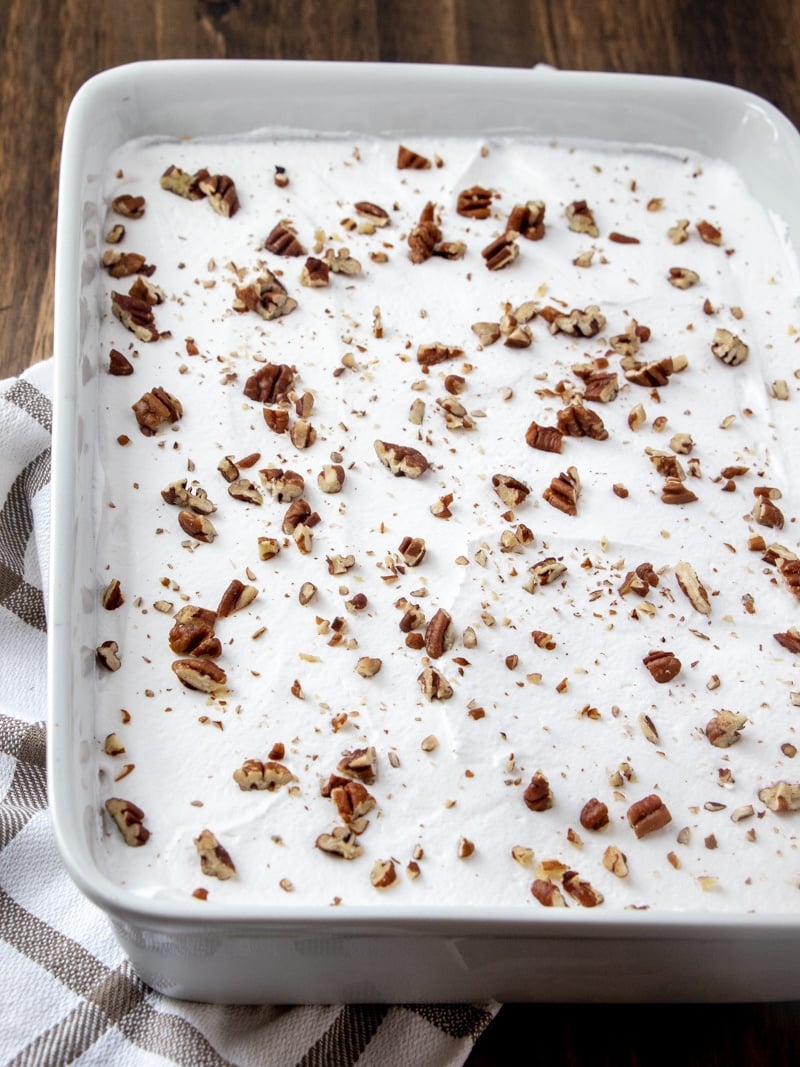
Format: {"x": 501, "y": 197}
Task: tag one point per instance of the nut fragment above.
{"x": 267, "y": 296}
{"x": 253, "y": 774}
{"x": 475, "y": 202}
{"x": 527, "y": 220}
{"x": 428, "y": 355}
{"x": 401, "y": 460}
{"x": 663, "y": 665}
{"x": 723, "y": 730}
{"x": 108, "y": 655}
{"x": 130, "y": 207}
{"x": 285, "y": 486}
{"x": 544, "y": 438}
{"x": 221, "y": 193}
{"x": 408, "y": 159}
{"x": 709, "y": 233}
{"x": 579, "y": 421}
{"x": 359, "y": 763}
{"x": 615, "y": 861}
{"x": 548, "y": 894}
{"x": 682, "y": 277}
{"x": 511, "y": 490}
{"x": 594, "y": 814}
{"x": 434, "y": 685}
{"x": 129, "y": 818}
{"x": 341, "y": 842}
{"x": 538, "y": 795}
{"x": 383, "y": 874}
{"x": 412, "y": 549}
{"x": 675, "y": 492}
{"x": 282, "y": 241}
{"x": 582, "y": 891}
{"x": 368, "y": 666}
{"x": 270, "y": 384}
{"x": 331, "y": 478}
{"x": 563, "y": 491}
{"x": 648, "y": 815}
{"x": 581, "y": 219}
{"x": 486, "y": 332}
{"x": 439, "y": 634}
{"x": 315, "y": 273}
{"x": 200, "y": 674}
{"x": 215, "y": 860}
{"x": 236, "y": 597}
{"x": 728, "y": 348}
{"x": 200, "y": 527}
{"x": 578, "y": 323}
{"x": 154, "y": 408}
{"x": 693, "y": 588}
{"x": 781, "y": 796}
{"x": 501, "y": 252}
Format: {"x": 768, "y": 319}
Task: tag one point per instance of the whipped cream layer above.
{"x": 586, "y": 713}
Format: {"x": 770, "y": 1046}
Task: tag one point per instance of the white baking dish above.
{"x": 254, "y": 954}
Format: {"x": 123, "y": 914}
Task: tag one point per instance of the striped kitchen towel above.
{"x": 69, "y": 994}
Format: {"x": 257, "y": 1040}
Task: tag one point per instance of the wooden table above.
{"x": 49, "y": 47}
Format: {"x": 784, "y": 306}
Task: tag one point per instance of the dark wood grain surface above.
{"x": 49, "y": 47}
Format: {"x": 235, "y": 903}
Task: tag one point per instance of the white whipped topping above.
{"x": 538, "y": 715}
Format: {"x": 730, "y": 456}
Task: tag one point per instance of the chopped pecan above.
{"x": 545, "y": 572}
{"x": 124, "y": 264}
{"x": 246, "y": 491}
{"x": 728, "y": 348}
{"x": 693, "y": 588}
{"x": 578, "y": 323}
{"x": 615, "y": 861}
{"x": 302, "y": 434}
{"x": 112, "y": 595}
{"x": 679, "y": 233}
{"x": 765, "y": 512}
{"x": 548, "y": 894}
{"x": 408, "y": 159}
{"x": 709, "y": 233}
{"x": 594, "y": 814}
{"x": 575, "y": 420}
{"x": 373, "y": 212}
{"x": 652, "y": 375}
{"x": 601, "y": 386}
{"x": 368, "y": 666}
{"x": 342, "y": 842}
{"x": 486, "y": 332}
{"x": 221, "y": 193}
{"x": 434, "y": 685}
{"x": 236, "y": 597}
{"x": 639, "y": 581}
{"x": 475, "y": 202}
{"x": 118, "y": 365}
{"x": 253, "y": 774}
{"x": 425, "y": 236}
{"x": 130, "y": 207}
{"x": 267, "y": 296}
{"x": 663, "y": 665}
{"x": 581, "y": 219}
{"x": 270, "y": 384}
{"x": 129, "y": 818}
{"x": 456, "y": 416}
{"x": 428, "y": 355}
{"x": 200, "y": 527}
{"x": 299, "y": 512}
{"x": 628, "y": 343}
{"x": 268, "y": 548}
{"x": 108, "y": 654}
{"x": 135, "y": 315}
{"x": 401, "y": 460}
{"x": 582, "y": 891}
{"x": 331, "y": 478}
{"x": 315, "y": 273}
{"x": 282, "y": 241}
{"x": 412, "y": 549}
{"x": 790, "y": 640}
{"x": 516, "y": 539}
{"x": 511, "y": 490}
{"x": 527, "y": 220}
{"x": 201, "y": 674}
{"x": 154, "y": 408}
{"x": 353, "y": 803}
{"x": 196, "y": 499}
{"x": 215, "y": 861}
{"x": 723, "y": 730}
{"x": 623, "y": 238}
{"x": 675, "y": 492}
{"x": 192, "y": 632}
{"x": 146, "y": 291}
{"x": 563, "y": 491}
{"x": 648, "y": 815}
{"x": 790, "y": 572}
{"x": 682, "y": 277}
{"x": 501, "y": 252}
{"x": 283, "y": 485}
{"x": 781, "y": 796}
{"x": 439, "y": 634}
{"x": 178, "y": 181}
{"x": 544, "y": 438}
{"x": 538, "y": 796}
{"x": 360, "y": 764}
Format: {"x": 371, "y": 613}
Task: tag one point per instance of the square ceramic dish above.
{"x": 268, "y": 953}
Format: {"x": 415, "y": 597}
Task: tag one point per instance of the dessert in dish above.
{"x": 445, "y": 525}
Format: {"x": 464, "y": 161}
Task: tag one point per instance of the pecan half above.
{"x": 663, "y": 665}
{"x": 538, "y": 796}
{"x": 215, "y": 861}
{"x": 129, "y": 818}
{"x": 563, "y": 491}
{"x": 401, "y": 460}
{"x": 648, "y": 815}
{"x": 270, "y": 384}
{"x": 575, "y": 420}
{"x": 253, "y": 774}
{"x": 544, "y": 438}
{"x": 282, "y": 241}
{"x": 267, "y": 296}
{"x": 200, "y": 674}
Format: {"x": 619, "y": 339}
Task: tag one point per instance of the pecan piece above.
{"x": 270, "y": 384}
{"x": 360, "y": 764}
{"x": 368, "y": 666}
{"x": 601, "y": 386}
{"x": 434, "y": 685}
{"x": 501, "y": 252}
{"x": 342, "y": 842}
{"x": 544, "y": 438}
{"x": 130, "y": 207}
{"x": 765, "y": 512}
{"x": 579, "y": 421}
{"x": 178, "y": 181}
{"x": 118, "y": 365}
{"x": 129, "y": 818}
{"x": 581, "y": 219}
{"x": 563, "y": 491}
{"x": 527, "y": 220}
{"x": 578, "y": 323}
{"x": 200, "y": 527}
{"x": 124, "y": 264}
{"x": 682, "y": 277}
{"x": 781, "y": 796}
{"x": 331, "y": 478}
{"x": 440, "y": 634}
{"x": 545, "y": 572}
{"x": 651, "y": 375}
{"x": 154, "y": 408}
{"x": 648, "y": 815}
{"x": 246, "y": 491}
{"x": 373, "y": 212}
{"x": 511, "y": 490}
{"x": 723, "y": 730}
{"x": 200, "y": 674}
{"x": 538, "y": 796}
{"x": 412, "y": 549}
{"x": 663, "y": 665}
{"x": 267, "y": 296}
{"x": 728, "y": 348}
{"x": 135, "y": 315}
{"x": 581, "y": 891}
{"x": 282, "y": 241}
{"x": 315, "y": 273}
{"x": 408, "y": 159}
{"x": 221, "y": 193}
{"x": 236, "y": 597}
{"x": 353, "y": 803}
{"x": 108, "y": 655}
{"x": 298, "y": 512}
{"x": 425, "y": 236}
{"x": 790, "y": 572}
{"x": 693, "y": 588}
{"x": 675, "y": 492}
{"x": 253, "y": 774}
{"x": 548, "y": 895}
{"x": 486, "y": 332}
{"x": 401, "y": 460}
{"x": 709, "y": 233}
{"x": 594, "y": 814}
{"x": 790, "y": 640}
{"x": 112, "y": 595}
{"x": 192, "y": 632}
{"x": 475, "y": 202}
{"x": 429, "y": 355}
{"x": 215, "y": 861}
{"x": 283, "y": 485}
